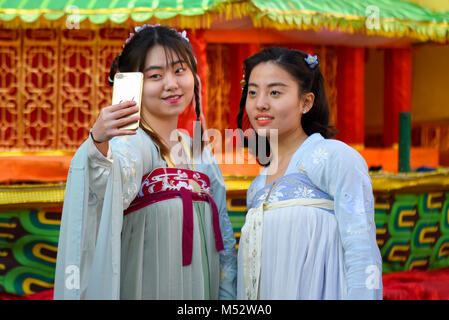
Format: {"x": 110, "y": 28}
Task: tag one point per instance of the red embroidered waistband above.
{"x": 169, "y": 179}
{"x": 169, "y": 183}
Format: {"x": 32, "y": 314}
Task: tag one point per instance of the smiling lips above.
{"x": 263, "y": 119}
{"x": 172, "y": 99}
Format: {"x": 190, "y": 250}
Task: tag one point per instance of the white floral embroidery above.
{"x": 319, "y": 156}
{"x": 263, "y": 196}
{"x": 276, "y": 194}
{"x": 291, "y": 186}
{"x": 304, "y": 192}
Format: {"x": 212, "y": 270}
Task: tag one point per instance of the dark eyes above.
{"x": 179, "y": 70}
{"x": 275, "y": 93}
{"x": 154, "y": 76}
{"x": 157, "y": 76}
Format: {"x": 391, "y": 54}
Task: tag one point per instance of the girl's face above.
{"x": 273, "y": 100}
{"x": 167, "y": 88}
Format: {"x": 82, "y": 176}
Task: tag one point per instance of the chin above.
{"x": 264, "y": 132}
{"x": 176, "y": 112}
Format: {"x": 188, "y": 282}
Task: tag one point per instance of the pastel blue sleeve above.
{"x": 228, "y": 257}
{"x": 341, "y": 171}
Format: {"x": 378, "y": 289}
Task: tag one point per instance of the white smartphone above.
{"x": 128, "y": 87}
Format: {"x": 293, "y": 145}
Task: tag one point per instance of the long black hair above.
{"x": 133, "y": 56}
{"x": 310, "y": 79}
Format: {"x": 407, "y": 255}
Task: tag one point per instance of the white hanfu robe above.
{"x": 102, "y": 255}
{"x": 311, "y": 234}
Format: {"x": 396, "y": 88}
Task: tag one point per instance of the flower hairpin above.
{"x": 312, "y": 61}
{"x": 137, "y": 29}
{"x": 131, "y": 35}
{"x": 184, "y": 35}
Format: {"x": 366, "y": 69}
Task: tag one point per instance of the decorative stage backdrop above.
{"x": 54, "y": 82}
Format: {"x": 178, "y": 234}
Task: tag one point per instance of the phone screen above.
{"x": 128, "y": 87}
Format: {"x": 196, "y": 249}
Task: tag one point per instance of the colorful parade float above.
{"x": 386, "y": 68}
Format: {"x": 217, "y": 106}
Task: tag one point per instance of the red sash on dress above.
{"x": 169, "y": 183}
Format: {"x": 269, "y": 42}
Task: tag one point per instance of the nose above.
{"x": 170, "y": 83}
{"x": 262, "y": 103}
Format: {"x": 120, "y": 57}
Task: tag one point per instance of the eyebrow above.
{"x": 161, "y": 68}
{"x": 273, "y": 84}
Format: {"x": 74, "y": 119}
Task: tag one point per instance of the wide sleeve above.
{"x": 340, "y": 171}
{"x": 128, "y": 150}
{"x": 98, "y": 190}
{"x": 228, "y": 257}
{"x": 68, "y": 273}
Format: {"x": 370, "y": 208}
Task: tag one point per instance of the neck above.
{"x": 164, "y": 127}
{"x": 288, "y": 143}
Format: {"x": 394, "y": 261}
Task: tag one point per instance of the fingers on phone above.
{"x": 123, "y": 105}
{"x": 125, "y": 113}
{"x": 124, "y": 121}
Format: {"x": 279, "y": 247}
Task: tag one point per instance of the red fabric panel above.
{"x": 397, "y": 91}
{"x": 351, "y": 95}
{"x": 238, "y": 52}
{"x": 417, "y": 285}
{"x": 43, "y": 295}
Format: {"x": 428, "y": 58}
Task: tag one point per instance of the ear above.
{"x": 307, "y": 100}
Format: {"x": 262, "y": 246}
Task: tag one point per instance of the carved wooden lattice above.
{"x": 52, "y": 84}
{"x": 10, "y": 79}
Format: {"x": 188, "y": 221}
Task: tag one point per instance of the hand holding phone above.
{"x": 122, "y": 117}
{"x": 128, "y": 87}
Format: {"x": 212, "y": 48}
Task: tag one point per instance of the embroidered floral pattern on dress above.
{"x": 128, "y": 162}
{"x": 320, "y": 155}
{"x": 291, "y": 186}
{"x": 252, "y": 239}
